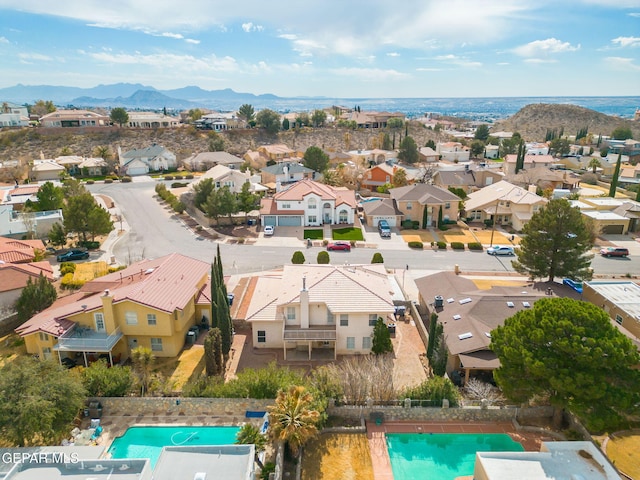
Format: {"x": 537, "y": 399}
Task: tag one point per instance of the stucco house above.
{"x": 530, "y": 161}
{"x": 281, "y": 174}
{"x": 277, "y": 152}
{"x": 17, "y": 224}
{"x": 151, "y": 304}
{"x": 423, "y": 203}
{"x": 319, "y": 307}
{"x": 144, "y": 160}
{"x": 382, "y": 174}
{"x": 223, "y": 176}
{"x": 309, "y": 203}
{"x": 621, "y": 301}
{"x": 152, "y": 120}
{"x": 74, "y": 118}
{"x": 464, "y": 179}
{"x": 381, "y": 209}
{"x": 453, "y": 152}
{"x": 43, "y": 170}
{"x": 503, "y": 202}
{"x": 205, "y": 160}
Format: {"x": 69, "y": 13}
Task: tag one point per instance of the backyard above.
{"x": 337, "y": 456}
{"x": 623, "y": 453}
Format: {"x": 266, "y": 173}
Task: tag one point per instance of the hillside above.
{"x": 29, "y": 144}
{"x": 533, "y": 121}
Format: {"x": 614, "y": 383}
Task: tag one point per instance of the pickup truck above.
{"x": 384, "y": 228}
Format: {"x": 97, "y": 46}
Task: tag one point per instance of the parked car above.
{"x": 383, "y": 228}
{"x": 614, "y": 252}
{"x": 73, "y": 255}
{"x": 230, "y": 297}
{"x": 346, "y": 246}
{"x": 574, "y": 284}
{"x": 500, "y": 250}
{"x": 269, "y": 230}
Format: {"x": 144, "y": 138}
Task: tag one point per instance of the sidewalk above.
{"x": 121, "y": 227}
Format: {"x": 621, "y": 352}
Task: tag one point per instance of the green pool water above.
{"x": 147, "y": 442}
{"x": 442, "y": 456}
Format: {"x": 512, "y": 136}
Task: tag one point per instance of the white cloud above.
{"x": 626, "y": 41}
{"x": 177, "y": 36}
{"x": 622, "y": 64}
{"x": 4, "y": 40}
{"x": 539, "y": 48}
{"x": 425, "y": 69}
{"x": 540, "y": 60}
{"x": 170, "y": 62}
{"x": 458, "y": 61}
{"x": 250, "y": 27}
{"x": 192, "y": 40}
{"x": 634, "y": 14}
{"x": 33, "y": 57}
{"x": 393, "y": 54}
{"x": 369, "y": 74}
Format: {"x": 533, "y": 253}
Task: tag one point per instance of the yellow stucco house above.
{"x": 152, "y": 304}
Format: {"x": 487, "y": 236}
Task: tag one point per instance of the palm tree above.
{"x": 594, "y": 163}
{"x": 291, "y": 419}
{"x": 142, "y": 359}
{"x": 250, "y": 434}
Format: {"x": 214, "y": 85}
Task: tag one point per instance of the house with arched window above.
{"x": 309, "y": 203}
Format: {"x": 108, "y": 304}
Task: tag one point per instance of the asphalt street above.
{"x": 155, "y": 231}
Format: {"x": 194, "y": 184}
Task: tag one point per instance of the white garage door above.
{"x": 269, "y": 220}
{"x": 289, "y": 221}
{"x": 391, "y": 220}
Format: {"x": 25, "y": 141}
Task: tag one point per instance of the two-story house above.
{"x": 151, "y": 304}
{"x": 281, "y": 174}
{"x": 530, "y": 161}
{"x": 505, "y": 203}
{"x": 453, "y": 152}
{"x": 311, "y": 307}
{"x": 426, "y": 203}
{"x": 223, "y": 176}
{"x": 309, "y": 203}
{"x": 277, "y": 152}
{"x": 144, "y": 160}
{"x": 205, "y": 160}
{"x": 382, "y": 174}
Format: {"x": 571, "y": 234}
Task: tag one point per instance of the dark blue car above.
{"x": 72, "y": 255}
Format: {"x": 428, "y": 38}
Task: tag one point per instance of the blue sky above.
{"x": 333, "y": 48}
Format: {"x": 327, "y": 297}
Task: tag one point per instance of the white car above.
{"x": 268, "y": 230}
{"x": 500, "y": 250}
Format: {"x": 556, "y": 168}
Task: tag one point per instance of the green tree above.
{"x": 194, "y": 114}
{"x": 103, "y": 151}
{"x": 323, "y": 258}
{"x": 250, "y": 435}
{"x": 377, "y": 258}
{"x": 559, "y": 147}
{"x": 477, "y": 148}
{"x": 41, "y": 108}
{"x": 213, "y": 359}
{"x": 216, "y": 142}
{"x": 246, "y": 113}
{"x": 73, "y": 187}
{"x": 213, "y": 207}
{"x": 269, "y": 120}
{"x": 298, "y": 258}
{"x": 522, "y": 150}
{"x": 119, "y": 115}
{"x": 57, "y": 235}
{"x": 202, "y": 190}
{"x": 399, "y": 178}
{"x": 100, "y": 380}
{"x": 594, "y": 164}
{"x": 408, "y": 151}
{"x": 36, "y": 296}
{"x": 318, "y": 117}
{"x": 76, "y": 213}
{"x": 430, "y": 144}
{"x": 482, "y": 133}
{"x": 302, "y": 119}
{"x": 49, "y": 197}
{"x": 386, "y": 142}
{"x": 557, "y": 243}
{"x": 395, "y": 125}
{"x": 381, "y": 342}
{"x": 38, "y": 403}
{"x": 569, "y": 352}
{"x": 247, "y": 200}
{"x": 621, "y": 133}
{"x": 286, "y": 124}
{"x": 292, "y": 418}
{"x": 614, "y": 179}
{"x": 435, "y": 389}
{"x": 315, "y": 159}
{"x": 143, "y": 360}
{"x": 98, "y": 221}
{"x": 228, "y": 202}
{"x": 509, "y": 146}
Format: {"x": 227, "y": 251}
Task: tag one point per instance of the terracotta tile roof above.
{"x": 25, "y": 190}
{"x": 18, "y": 251}
{"x": 15, "y": 256}
{"x": 301, "y": 189}
{"x": 53, "y": 320}
{"x": 15, "y": 275}
{"x": 511, "y": 158}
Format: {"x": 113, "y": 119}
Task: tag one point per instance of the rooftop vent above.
{"x": 526, "y": 304}
{"x": 510, "y": 304}
{"x": 465, "y": 300}
{"x": 457, "y": 317}
{"x": 464, "y": 336}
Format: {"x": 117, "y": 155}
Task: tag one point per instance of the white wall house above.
{"x": 144, "y": 160}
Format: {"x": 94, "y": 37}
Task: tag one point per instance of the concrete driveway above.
{"x": 372, "y": 238}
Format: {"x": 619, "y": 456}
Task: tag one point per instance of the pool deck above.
{"x": 378, "y": 445}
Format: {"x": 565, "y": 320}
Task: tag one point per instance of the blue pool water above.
{"x": 442, "y": 456}
{"x": 147, "y": 442}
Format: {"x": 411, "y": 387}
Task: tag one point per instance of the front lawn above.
{"x": 315, "y": 234}
{"x": 348, "y": 234}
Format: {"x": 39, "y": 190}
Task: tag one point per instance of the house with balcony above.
{"x": 382, "y": 174}
{"x": 74, "y": 118}
{"x": 426, "y": 203}
{"x": 309, "y": 203}
{"x": 278, "y": 176}
{"x": 503, "y": 203}
{"x": 152, "y": 120}
{"x": 314, "y": 308}
{"x": 150, "y": 304}
{"x": 17, "y": 224}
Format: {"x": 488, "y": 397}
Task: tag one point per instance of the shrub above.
{"x": 443, "y": 227}
{"x": 189, "y": 177}
{"x": 442, "y": 245}
{"x": 417, "y": 245}
{"x": 407, "y": 224}
{"x": 377, "y": 258}
{"x": 457, "y": 245}
{"x": 488, "y": 222}
{"x": 297, "y": 258}
{"x": 168, "y": 177}
{"x": 108, "y": 180}
{"x": 323, "y": 258}
{"x": 178, "y": 184}
{"x": 89, "y": 245}
{"x": 590, "y": 178}
{"x": 435, "y": 389}
{"x": 126, "y": 180}
{"x": 415, "y": 224}
{"x": 325, "y": 243}
{"x": 102, "y": 381}
{"x": 160, "y": 187}
{"x": 474, "y": 246}
{"x": 69, "y": 283}
{"x": 90, "y": 182}
{"x": 67, "y": 267}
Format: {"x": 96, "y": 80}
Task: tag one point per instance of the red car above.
{"x": 346, "y": 246}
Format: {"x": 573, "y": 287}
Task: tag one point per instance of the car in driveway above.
{"x": 269, "y": 230}
{"x": 501, "y": 250}
{"x": 344, "y": 246}
{"x": 614, "y": 252}
{"x": 72, "y": 255}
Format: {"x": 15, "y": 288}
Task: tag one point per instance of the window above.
{"x": 312, "y": 219}
{"x": 447, "y": 205}
{"x": 291, "y": 313}
{"x": 351, "y": 343}
{"x": 44, "y": 337}
{"x": 156, "y": 344}
{"x": 99, "y": 320}
{"x": 151, "y": 319}
{"x": 387, "y": 179}
{"x": 409, "y": 205}
{"x": 344, "y": 320}
{"x": 373, "y": 318}
{"x": 262, "y": 336}
{"x": 286, "y": 205}
{"x": 366, "y": 343}
{"x": 343, "y": 216}
{"x": 619, "y": 319}
{"x": 312, "y": 203}
{"x": 331, "y": 318}
{"x": 131, "y": 318}
{"x": 46, "y": 353}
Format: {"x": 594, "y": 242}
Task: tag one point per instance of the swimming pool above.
{"x": 442, "y": 456}
{"x": 147, "y": 442}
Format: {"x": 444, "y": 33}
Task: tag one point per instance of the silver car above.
{"x": 500, "y": 250}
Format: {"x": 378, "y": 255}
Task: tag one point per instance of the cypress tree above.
{"x": 381, "y": 342}
{"x": 214, "y": 289}
{"x": 520, "y": 157}
{"x": 213, "y": 352}
{"x": 224, "y": 322}
{"x": 614, "y": 179}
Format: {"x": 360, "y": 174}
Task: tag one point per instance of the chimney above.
{"x": 532, "y": 189}
{"x": 304, "y": 304}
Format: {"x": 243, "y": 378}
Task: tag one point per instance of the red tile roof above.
{"x": 14, "y": 276}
